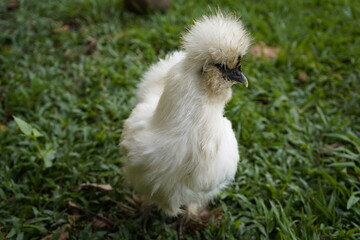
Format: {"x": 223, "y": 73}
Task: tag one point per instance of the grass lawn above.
{"x": 69, "y": 70}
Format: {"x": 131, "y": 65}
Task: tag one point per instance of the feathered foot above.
{"x": 197, "y": 218}
{"x": 136, "y": 208}
{"x": 143, "y": 210}
{"x": 137, "y": 203}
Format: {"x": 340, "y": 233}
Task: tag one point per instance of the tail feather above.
{"x": 152, "y": 85}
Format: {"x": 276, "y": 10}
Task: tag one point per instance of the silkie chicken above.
{"x": 178, "y": 149}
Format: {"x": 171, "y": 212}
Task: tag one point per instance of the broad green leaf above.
{"x": 38, "y": 227}
{"x": 342, "y": 164}
{"x": 352, "y": 200}
{"x": 2, "y": 194}
{"x": 48, "y": 158}
{"x": 24, "y": 126}
{"x": 36, "y": 133}
{"x": 260, "y": 227}
{"x": 20, "y": 236}
{"x": 11, "y": 233}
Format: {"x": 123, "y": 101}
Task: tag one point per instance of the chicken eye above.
{"x": 222, "y": 67}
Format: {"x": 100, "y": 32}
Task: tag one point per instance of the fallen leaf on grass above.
{"x": 302, "y": 77}
{"x": 60, "y": 233}
{"x": 330, "y": 147}
{"x": 61, "y": 29}
{"x": 74, "y": 217}
{"x": 69, "y": 53}
{"x": 3, "y": 235}
{"x": 337, "y": 76}
{"x": 115, "y": 36}
{"x": 91, "y": 46}
{"x": 86, "y": 212}
{"x": 73, "y": 205}
{"x": 98, "y": 223}
{"x": 102, "y": 187}
{"x": 261, "y": 50}
{"x": 12, "y": 5}
{"x": 66, "y": 27}
{"x": 123, "y": 208}
{"x": 62, "y": 236}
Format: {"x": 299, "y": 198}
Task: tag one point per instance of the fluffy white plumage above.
{"x": 178, "y": 149}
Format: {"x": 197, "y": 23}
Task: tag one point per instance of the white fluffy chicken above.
{"x": 178, "y": 149}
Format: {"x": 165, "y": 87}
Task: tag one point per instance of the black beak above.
{"x": 234, "y": 74}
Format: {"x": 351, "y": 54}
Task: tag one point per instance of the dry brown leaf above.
{"x": 115, "y": 36}
{"x": 123, "y": 207}
{"x": 64, "y": 235}
{"x": 71, "y": 204}
{"x": 338, "y": 76}
{"x": 12, "y": 5}
{"x": 91, "y": 46}
{"x": 102, "y": 187}
{"x": 61, "y": 29}
{"x": 76, "y": 209}
{"x": 328, "y": 148}
{"x": 72, "y": 219}
{"x": 3, "y": 127}
{"x": 261, "y": 50}
{"x": 48, "y": 237}
{"x": 67, "y": 52}
{"x": 98, "y": 223}
{"x": 302, "y": 76}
